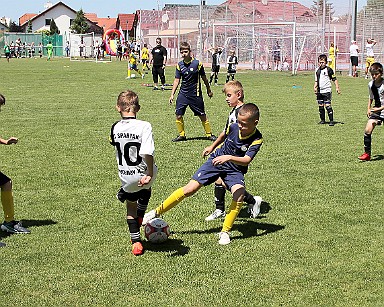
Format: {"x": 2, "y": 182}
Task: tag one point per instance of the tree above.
{"x": 13, "y": 27}
{"x": 80, "y": 25}
{"x": 53, "y": 29}
{"x": 317, "y": 9}
{"x": 29, "y": 28}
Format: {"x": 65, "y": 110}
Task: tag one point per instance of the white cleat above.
{"x": 149, "y": 216}
{"x": 254, "y": 210}
{"x": 224, "y": 238}
{"x": 215, "y": 215}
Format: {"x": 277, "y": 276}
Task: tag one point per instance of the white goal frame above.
{"x": 292, "y": 35}
{"x": 89, "y": 52}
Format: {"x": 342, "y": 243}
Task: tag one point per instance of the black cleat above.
{"x": 179, "y": 139}
{"x": 322, "y": 122}
{"x": 331, "y": 123}
{"x": 212, "y": 138}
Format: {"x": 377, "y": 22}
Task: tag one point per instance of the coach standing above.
{"x": 354, "y": 54}
{"x": 158, "y": 61}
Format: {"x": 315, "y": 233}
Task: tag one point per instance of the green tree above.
{"x": 317, "y": 9}
{"x": 29, "y": 28}
{"x": 13, "y": 27}
{"x": 80, "y": 25}
{"x": 53, "y": 29}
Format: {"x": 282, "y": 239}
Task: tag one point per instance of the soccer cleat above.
{"x": 155, "y": 88}
{"x": 212, "y": 138}
{"x": 254, "y": 209}
{"x": 162, "y": 87}
{"x": 14, "y": 227}
{"x": 331, "y": 123}
{"x": 365, "y": 157}
{"x": 179, "y": 139}
{"x": 215, "y": 215}
{"x": 137, "y": 248}
{"x": 321, "y": 122}
{"x": 224, "y": 238}
{"x": 149, "y": 216}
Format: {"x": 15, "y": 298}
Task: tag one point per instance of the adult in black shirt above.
{"x": 158, "y": 61}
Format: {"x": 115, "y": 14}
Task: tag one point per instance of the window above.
{"x": 47, "y": 22}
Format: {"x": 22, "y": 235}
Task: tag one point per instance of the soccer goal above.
{"x": 261, "y": 45}
{"x": 84, "y": 47}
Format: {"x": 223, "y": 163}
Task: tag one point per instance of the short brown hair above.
{"x": 322, "y": 57}
{"x": 376, "y": 68}
{"x": 185, "y": 45}
{"x": 234, "y": 86}
{"x": 128, "y": 101}
{"x": 251, "y": 110}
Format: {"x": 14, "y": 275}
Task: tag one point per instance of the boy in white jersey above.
{"x": 234, "y": 96}
{"x": 323, "y": 89}
{"x": 134, "y": 146}
{"x": 370, "y": 55}
{"x": 375, "y": 113}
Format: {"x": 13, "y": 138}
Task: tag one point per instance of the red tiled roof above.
{"x": 91, "y": 16}
{"x": 106, "y": 23}
{"x": 23, "y": 19}
{"x": 126, "y": 21}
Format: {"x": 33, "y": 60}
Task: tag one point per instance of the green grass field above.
{"x": 321, "y": 244}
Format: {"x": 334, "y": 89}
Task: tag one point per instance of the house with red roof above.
{"x": 127, "y": 23}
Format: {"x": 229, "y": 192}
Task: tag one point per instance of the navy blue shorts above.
{"x": 4, "y": 179}
{"x": 208, "y": 173}
{"x": 143, "y": 196}
{"x": 196, "y": 104}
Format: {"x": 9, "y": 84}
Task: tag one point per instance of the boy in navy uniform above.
{"x": 323, "y": 89}
{"x": 229, "y": 161}
{"x": 190, "y": 70}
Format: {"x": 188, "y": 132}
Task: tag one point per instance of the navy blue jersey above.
{"x": 190, "y": 73}
{"x": 235, "y": 145}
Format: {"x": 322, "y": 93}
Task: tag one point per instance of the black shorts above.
{"x": 377, "y": 117}
{"x": 215, "y": 68}
{"x": 354, "y": 60}
{"x": 196, "y": 104}
{"x": 324, "y": 98}
{"x": 4, "y": 179}
{"x": 144, "y": 195}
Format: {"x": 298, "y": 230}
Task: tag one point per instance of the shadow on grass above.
{"x": 197, "y": 138}
{"x": 27, "y": 224}
{"x": 174, "y": 247}
{"x": 377, "y": 157}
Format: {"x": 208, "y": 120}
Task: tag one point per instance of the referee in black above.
{"x": 158, "y": 61}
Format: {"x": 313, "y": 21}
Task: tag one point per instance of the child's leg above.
{"x": 211, "y": 77}
{"x": 177, "y": 196}
{"x": 7, "y": 201}
{"x": 371, "y": 124}
{"x": 220, "y": 195}
{"x": 233, "y": 77}
{"x": 329, "y": 109}
{"x": 180, "y": 125}
{"x": 142, "y": 205}
{"x": 227, "y": 79}
{"x": 321, "y": 111}
{"x": 237, "y": 201}
{"x": 133, "y": 225}
{"x": 206, "y": 125}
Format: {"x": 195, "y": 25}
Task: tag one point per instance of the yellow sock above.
{"x": 129, "y": 73}
{"x": 180, "y": 126}
{"x": 8, "y": 207}
{"x": 234, "y": 210}
{"x": 173, "y": 199}
{"x": 207, "y": 128}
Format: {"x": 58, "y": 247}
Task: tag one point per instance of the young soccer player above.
{"x": 134, "y": 146}
{"x": 9, "y": 224}
{"x": 376, "y": 113}
{"x": 229, "y": 162}
{"x": 190, "y": 70}
{"x": 132, "y": 64}
{"x": 231, "y": 62}
{"x": 323, "y": 89}
{"x": 145, "y": 57}
{"x": 370, "y": 55}
{"x": 216, "y": 56}
{"x": 332, "y": 52}
{"x": 7, "y": 51}
{"x": 234, "y": 96}
{"x": 49, "y": 50}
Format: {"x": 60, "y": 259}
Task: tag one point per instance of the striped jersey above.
{"x": 377, "y": 94}
{"x": 323, "y": 77}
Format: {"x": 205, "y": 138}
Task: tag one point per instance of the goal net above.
{"x": 83, "y": 47}
{"x": 274, "y": 46}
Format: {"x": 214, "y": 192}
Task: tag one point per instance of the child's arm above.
{"x": 337, "y": 87}
{"x": 206, "y": 82}
{"x": 244, "y": 161}
{"x": 369, "y": 111}
{"x": 11, "y": 140}
{"x": 149, "y": 174}
{"x": 315, "y": 87}
{"x": 220, "y": 139}
{"x": 176, "y": 83}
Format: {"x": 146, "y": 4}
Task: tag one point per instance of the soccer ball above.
{"x": 157, "y": 230}
{"x": 133, "y": 76}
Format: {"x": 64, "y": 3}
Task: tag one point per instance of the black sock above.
{"x": 322, "y": 113}
{"x": 330, "y": 113}
{"x": 134, "y": 230}
{"x": 248, "y": 198}
{"x": 367, "y": 143}
{"x": 220, "y": 197}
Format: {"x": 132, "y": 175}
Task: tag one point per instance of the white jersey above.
{"x": 132, "y": 139}
{"x": 369, "y": 48}
{"x": 354, "y": 50}
{"x": 323, "y": 77}
{"x": 377, "y": 94}
{"x": 232, "y": 117}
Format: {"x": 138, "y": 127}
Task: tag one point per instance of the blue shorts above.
{"x": 133, "y": 66}
{"x": 196, "y": 104}
{"x": 208, "y": 173}
{"x": 4, "y": 179}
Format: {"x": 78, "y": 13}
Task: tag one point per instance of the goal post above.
{"x": 254, "y": 42}
{"x": 82, "y": 47}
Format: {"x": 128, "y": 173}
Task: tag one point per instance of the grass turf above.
{"x": 319, "y": 245}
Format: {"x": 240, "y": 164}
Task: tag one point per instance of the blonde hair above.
{"x": 128, "y": 101}
{"x": 234, "y": 86}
